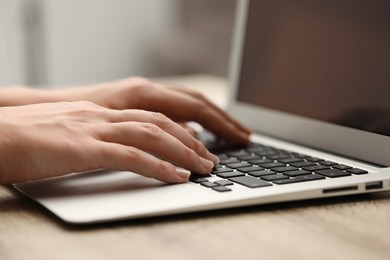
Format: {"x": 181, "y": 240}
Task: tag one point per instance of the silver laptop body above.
{"x": 302, "y": 74}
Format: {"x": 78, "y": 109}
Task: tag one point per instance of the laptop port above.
{"x": 340, "y": 189}
{"x": 374, "y": 185}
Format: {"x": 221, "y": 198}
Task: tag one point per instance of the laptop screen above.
{"x": 325, "y": 60}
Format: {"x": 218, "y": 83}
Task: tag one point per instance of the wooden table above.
{"x": 354, "y": 227}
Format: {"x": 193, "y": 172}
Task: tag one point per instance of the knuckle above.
{"x": 199, "y": 147}
{"x": 138, "y": 87}
{"x": 190, "y": 154}
{"x": 165, "y": 171}
{"x": 198, "y": 95}
{"x": 87, "y": 111}
{"x": 164, "y": 168}
{"x": 143, "y": 83}
{"x": 159, "y": 116}
{"x": 161, "y": 119}
{"x": 86, "y": 104}
{"x": 132, "y": 155}
{"x": 200, "y": 106}
{"x": 134, "y": 81}
{"x": 140, "y": 80}
{"x": 200, "y": 109}
{"x": 151, "y": 130}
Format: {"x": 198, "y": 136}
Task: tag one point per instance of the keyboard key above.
{"x": 303, "y": 164}
{"x": 229, "y": 160}
{"x": 290, "y": 160}
{"x": 278, "y": 156}
{"x": 274, "y": 177}
{"x": 237, "y": 153}
{"x": 250, "y": 169}
{"x": 284, "y": 169}
{"x": 260, "y": 161}
{"x": 314, "y": 159}
{"x": 333, "y": 173}
{"x": 224, "y": 182}
{"x": 341, "y": 167}
{"x": 328, "y": 163}
{"x": 221, "y": 188}
{"x": 249, "y": 157}
{"x": 261, "y": 173}
{"x": 311, "y": 177}
{"x": 223, "y": 156}
{"x": 282, "y": 151}
{"x": 255, "y": 149}
{"x": 297, "y": 173}
{"x": 271, "y": 165}
{"x": 315, "y": 168}
{"x": 208, "y": 184}
{"x": 230, "y": 174}
{"x": 238, "y": 165}
{"x": 250, "y": 182}
{"x": 266, "y": 153}
{"x": 221, "y": 170}
{"x": 357, "y": 171}
{"x": 198, "y": 179}
{"x": 299, "y": 155}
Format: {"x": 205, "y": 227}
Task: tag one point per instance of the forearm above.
{"x": 21, "y": 95}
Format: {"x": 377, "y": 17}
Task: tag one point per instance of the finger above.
{"x": 150, "y": 138}
{"x": 183, "y": 107}
{"x": 125, "y": 158}
{"x": 199, "y": 96}
{"x": 168, "y": 126}
{"x": 189, "y": 129}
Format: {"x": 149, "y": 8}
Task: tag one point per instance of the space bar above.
{"x": 250, "y": 182}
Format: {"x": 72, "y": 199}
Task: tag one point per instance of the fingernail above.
{"x": 183, "y": 173}
{"x": 207, "y": 164}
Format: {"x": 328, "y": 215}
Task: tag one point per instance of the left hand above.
{"x": 181, "y": 105}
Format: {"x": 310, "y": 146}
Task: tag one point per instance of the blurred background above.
{"x": 46, "y": 42}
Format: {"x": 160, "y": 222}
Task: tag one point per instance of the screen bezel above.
{"x": 352, "y": 143}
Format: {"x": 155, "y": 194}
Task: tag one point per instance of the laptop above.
{"x": 312, "y": 78}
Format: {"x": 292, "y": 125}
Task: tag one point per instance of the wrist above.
{"x": 21, "y": 95}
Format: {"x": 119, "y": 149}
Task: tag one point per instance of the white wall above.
{"x": 53, "y": 42}
{"x": 12, "y": 43}
{"x": 66, "y": 42}
{"x": 97, "y": 40}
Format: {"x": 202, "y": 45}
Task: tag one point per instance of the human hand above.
{"x": 179, "y": 104}
{"x": 52, "y": 139}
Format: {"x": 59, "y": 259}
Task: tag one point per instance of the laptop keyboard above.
{"x": 257, "y": 166}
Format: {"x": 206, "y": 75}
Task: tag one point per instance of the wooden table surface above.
{"x": 355, "y": 227}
